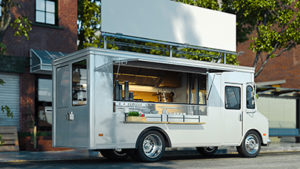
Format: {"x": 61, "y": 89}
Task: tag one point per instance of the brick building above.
{"x": 27, "y": 92}
{"x": 285, "y": 69}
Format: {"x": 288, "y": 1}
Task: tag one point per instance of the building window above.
{"x": 44, "y": 104}
{"x": 232, "y": 97}
{"x": 45, "y": 12}
{"x": 250, "y": 97}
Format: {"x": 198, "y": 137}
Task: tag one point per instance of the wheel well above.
{"x": 161, "y": 131}
{"x": 260, "y": 137}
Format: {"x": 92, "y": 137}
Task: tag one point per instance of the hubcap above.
{"x": 251, "y": 143}
{"x": 152, "y": 146}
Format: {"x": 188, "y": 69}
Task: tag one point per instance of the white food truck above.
{"x": 125, "y": 103}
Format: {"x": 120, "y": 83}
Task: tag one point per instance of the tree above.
{"x": 273, "y": 26}
{"x": 21, "y": 26}
{"x": 88, "y": 23}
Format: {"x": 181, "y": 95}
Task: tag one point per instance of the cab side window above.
{"x": 250, "y": 97}
{"x": 232, "y": 97}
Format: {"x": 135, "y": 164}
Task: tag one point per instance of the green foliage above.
{"x": 2, "y": 48}
{"x": 2, "y": 82}
{"x": 88, "y": 23}
{"x": 210, "y": 4}
{"x": 275, "y": 23}
{"x": 22, "y": 26}
{"x": 133, "y": 113}
{"x": 6, "y": 109}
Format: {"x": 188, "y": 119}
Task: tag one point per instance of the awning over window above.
{"x": 150, "y": 64}
{"x": 175, "y": 64}
{"x": 41, "y": 60}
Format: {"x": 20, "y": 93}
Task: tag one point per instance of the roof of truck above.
{"x": 155, "y": 61}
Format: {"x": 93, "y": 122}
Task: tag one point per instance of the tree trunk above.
{"x": 5, "y": 18}
{"x": 220, "y": 2}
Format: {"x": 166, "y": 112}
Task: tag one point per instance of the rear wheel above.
{"x": 114, "y": 154}
{"x": 207, "y": 151}
{"x": 250, "y": 146}
{"x": 150, "y": 147}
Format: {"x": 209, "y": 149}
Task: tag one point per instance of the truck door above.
{"x": 233, "y": 113}
{"x": 250, "y": 108}
{"x": 72, "y": 111}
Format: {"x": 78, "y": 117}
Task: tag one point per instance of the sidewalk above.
{"x": 25, "y": 156}
{"x": 275, "y": 147}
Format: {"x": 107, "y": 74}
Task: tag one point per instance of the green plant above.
{"x": 6, "y": 109}
{"x": 133, "y": 113}
{"x": 22, "y": 26}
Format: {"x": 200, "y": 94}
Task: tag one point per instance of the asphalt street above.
{"x": 289, "y": 160}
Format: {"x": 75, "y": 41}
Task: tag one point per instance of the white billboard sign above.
{"x": 169, "y": 21}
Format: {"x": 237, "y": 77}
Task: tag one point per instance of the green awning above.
{"x": 41, "y": 60}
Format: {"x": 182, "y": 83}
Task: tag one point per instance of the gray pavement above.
{"x": 25, "y": 156}
{"x": 288, "y": 160}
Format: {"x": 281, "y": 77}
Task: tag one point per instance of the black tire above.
{"x": 207, "y": 151}
{"x": 132, "y": 153}
{"x": 150, "y": 147}
{"x": 251, "y": 145}
{"x": 114, "y": 155}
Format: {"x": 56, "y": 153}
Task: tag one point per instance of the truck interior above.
{"x": 139, "y": 84}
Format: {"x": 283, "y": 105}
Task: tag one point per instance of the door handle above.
{"x": 241, "y": 116}
{"x": 70, "y": 116}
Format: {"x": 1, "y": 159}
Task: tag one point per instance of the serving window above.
{"x": 148, "y": 85}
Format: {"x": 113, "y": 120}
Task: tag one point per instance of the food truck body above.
{"x": 112, "y": 100}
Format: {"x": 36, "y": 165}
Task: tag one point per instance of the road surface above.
{"x": 231, "y": 161}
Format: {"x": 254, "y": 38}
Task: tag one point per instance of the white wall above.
{"x": 281, "y": 112}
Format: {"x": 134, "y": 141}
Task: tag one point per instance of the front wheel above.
{"x": 150, "y": 147}
{"x": 207, "y": 151}
{"x": 250, "y": 146}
